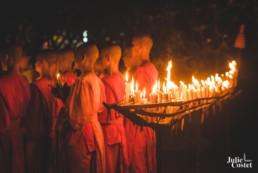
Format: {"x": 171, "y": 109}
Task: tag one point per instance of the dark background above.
{"x": 197, "y": 35}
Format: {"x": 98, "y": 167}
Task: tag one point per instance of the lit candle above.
{"x": 143, "y": 99}
{"x": 154, "y": 94}
{"x": 132, "y": 86}
{"x": 59, "y": 79}
{"x": 57, "y": 76}
{"x": 126, "y": 77}
{"x": 127, "y": 88}
{"x": 164, "y": 95}
{"x": 137, "y": 93}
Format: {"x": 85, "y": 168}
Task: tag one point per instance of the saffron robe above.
{"x": 69, "y": 78}
{"x": 113, "y": 127}
{"x": 85, "y": 134}
{"x": 40, "y": 122}
{"x": 14, "y": 100}
{"x": 141, "y": 141}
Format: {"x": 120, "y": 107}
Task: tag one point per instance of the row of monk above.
{"x": 58, "y": 124}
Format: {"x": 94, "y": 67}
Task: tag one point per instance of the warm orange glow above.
{"x": 132, "y": 86}
{"x": 164, "y": 88}
{"x": 211, "y": 86}
{"x": 57, "y": 76}
{"x": 168, "y": 71}
{"x": 126, "y": 77}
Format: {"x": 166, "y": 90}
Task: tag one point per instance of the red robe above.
{"x": 69, "y": 78}
{"x": 14, "y": 99}
{"x": 40, "y": 122}
{"x": 141, "y": 141}
{"x": 83, "y": 135}
{"x": 113, "y": 127}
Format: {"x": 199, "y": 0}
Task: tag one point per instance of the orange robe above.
{"x": 69, "y": 78}
{"x": 40, "y": 122}
{"x": 84, "y": 135}
{"x": 141, "y": 141}
{"x": 14, "y": 100}
{"x": 113, "y": 127}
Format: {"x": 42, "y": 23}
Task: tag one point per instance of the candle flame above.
{"x": 132, "y": 86}
{"x": 154, "y": 88}
{"x": 164, "y": 88}
{"x": 57, "y": 75}
{"x": 158, "y": 85}
{"x": 126, "y": 77}
{"x": 168, "y": 69}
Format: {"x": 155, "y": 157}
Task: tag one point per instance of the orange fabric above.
{"x": 69, "y": 78}
{"x": 82, "y": 107}
{"x": 40, "y": 122}
{"x": 112, "y": 124}
{"x": 142, "y": 140}
{"x": 14, "y": 98}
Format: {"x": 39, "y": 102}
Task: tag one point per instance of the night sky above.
{"x": 49, "y": 15}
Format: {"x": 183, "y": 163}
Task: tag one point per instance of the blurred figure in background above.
{"x": 65, "y": 67}
{"x": 42, "y": 114}
{"x": 27, "y": 70}
{"x": 142, "y": 140}
{"x": 14, "y": 100}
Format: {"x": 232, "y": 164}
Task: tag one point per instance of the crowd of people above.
{"x": 54, "y": 120}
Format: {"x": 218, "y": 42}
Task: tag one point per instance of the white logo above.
{"x": 238, "y": 162}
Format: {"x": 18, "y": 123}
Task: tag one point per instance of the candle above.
{"x": 132, "y": 87}
{"x": 143, "y": 99}
{"x": 127, "y": 91}
{"x": 59, "y": 79}
{"x": 126, "y": 77}
{"x": 154, "y": 95}
{"x": 164, "y": 97}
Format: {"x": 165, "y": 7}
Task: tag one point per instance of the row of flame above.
{"x": 213, "y": 85}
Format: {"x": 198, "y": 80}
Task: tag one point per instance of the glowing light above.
{"x": 85, "y": 39}
{"x": 144, "y": 93}
{"x": 132, "y": 86}
{"x": 126, "y": 77}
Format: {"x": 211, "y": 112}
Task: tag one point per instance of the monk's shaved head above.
{"x": 114, "y": 51}
{"x": 144, "y": 40}
{"x": 90, "y": 50}
{"x": 67, "y": 55}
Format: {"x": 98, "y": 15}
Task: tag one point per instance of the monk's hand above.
{"x": 65, "y": 90}
{"x": 56, "y": 91}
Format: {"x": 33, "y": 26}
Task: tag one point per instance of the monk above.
{"x": 112, "y": 122}
{"x": 142, "y": 140}
{"x": 38, "y": 66}
{"x": 27, "y": 71}
{"x": 3, "y": 58}
{"x": 42, "y": 114}
{"x": 83, "y": 135}
{"x": 14, "y": 100}
{"x": 130, "y": 63}
{"x": 65, "y": 62}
